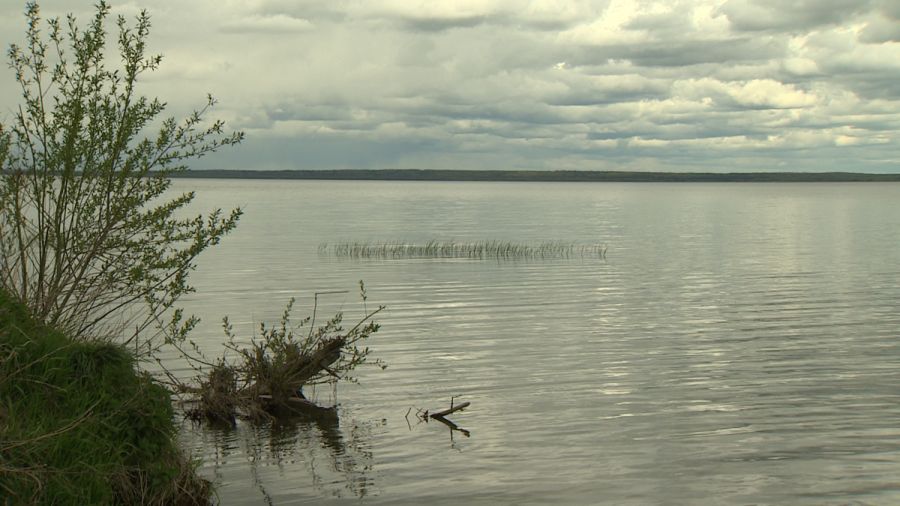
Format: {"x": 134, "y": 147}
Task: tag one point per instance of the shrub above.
{"x": 90, "y": 241}
{"x": 265, "y": 377}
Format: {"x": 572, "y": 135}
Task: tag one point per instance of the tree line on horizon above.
{"x": 539, "y": 175}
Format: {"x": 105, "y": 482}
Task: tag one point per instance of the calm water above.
{"x": 739, "y": 344}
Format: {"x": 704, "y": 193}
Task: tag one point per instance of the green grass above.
{"x": 499, "y": 250}
{"x": 79, "y": 424}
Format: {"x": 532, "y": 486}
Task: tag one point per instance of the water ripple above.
{"x": 730, "y": 350}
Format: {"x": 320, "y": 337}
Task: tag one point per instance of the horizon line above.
{"x": 489, "y": 175}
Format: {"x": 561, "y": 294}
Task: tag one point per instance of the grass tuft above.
{"x": 79, "y": 424}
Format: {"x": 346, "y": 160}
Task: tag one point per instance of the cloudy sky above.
{"x": 686, "y": 85}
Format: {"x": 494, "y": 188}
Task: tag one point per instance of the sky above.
{"x": 679, "y": 85}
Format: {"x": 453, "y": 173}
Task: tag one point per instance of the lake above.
{"x": 737, "y": 345}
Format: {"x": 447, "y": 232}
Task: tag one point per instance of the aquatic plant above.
{"x": 490, "y": 249}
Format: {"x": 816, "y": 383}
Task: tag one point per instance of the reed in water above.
{"x": 451, "y": 249}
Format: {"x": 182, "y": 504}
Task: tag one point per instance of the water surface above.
{"x": 738, "y": 345}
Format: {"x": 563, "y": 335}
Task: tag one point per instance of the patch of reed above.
{"x": 490, "y": 249}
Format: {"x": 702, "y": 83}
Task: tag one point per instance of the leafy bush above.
{"x": 90, "y": 240}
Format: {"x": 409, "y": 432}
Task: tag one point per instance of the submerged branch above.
{"x": 451, "y": 409}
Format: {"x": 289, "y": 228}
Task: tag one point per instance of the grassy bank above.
{"x": 79, "y": 425}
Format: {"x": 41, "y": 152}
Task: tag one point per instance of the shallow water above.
{"x": 738, "y": 345}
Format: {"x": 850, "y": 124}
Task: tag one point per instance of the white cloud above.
{"x": 800, "y": 67}
{"x": 767, "y": 93}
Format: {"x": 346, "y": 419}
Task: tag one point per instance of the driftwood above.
{"x": 451, "y": 409}
{"x": 327, "y": 353}
{"x": 220, "y": 399}
{"x": 304, "y": 368}
{"x": 294, "y": 400}
{"x": 298, "y": 406}
{"x": 423, "y": 415}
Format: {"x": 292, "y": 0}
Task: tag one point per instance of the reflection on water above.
{"x": 422, "y": 417}
{"x": 312, "y": 448}
{"x": 453, "y": 428}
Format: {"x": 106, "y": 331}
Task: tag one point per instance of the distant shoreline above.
{"x": 569, "y": 176}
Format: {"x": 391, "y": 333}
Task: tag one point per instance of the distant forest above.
{"x": 541, "y": 176}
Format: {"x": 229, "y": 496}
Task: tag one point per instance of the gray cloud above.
{"x": 883, "y": 26}
{"x": 267, "y": 25}
{"x": 797, "y": 15}
{"x": 626, "y": 85}
{"x": 437, "y": 24}
{"x": 684, "y": 52}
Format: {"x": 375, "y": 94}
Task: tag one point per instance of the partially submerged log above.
{"x": 300, "y": 370}
{"x": 277, "y": 394}
{"x": 423, "y": 415}
{"x": 298, "y": 406}
{"x": 451, "y": 409}
{"x": 325, "y": 354}
{"x": 299, "y": 401}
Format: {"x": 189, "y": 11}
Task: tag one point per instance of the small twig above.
{"x": 365, "y": 318}
{"x": 330, "y": 371}
{"x": 312, "y": 324}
